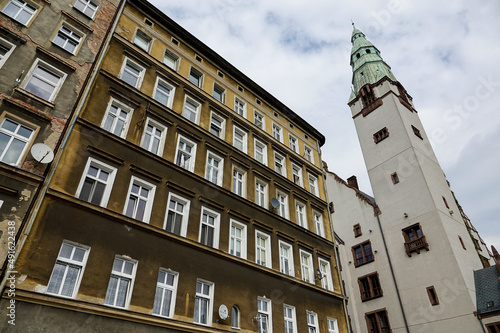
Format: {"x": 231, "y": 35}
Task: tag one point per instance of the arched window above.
{"x": 235, "y": 317}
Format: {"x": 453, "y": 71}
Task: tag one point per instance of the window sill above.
{"x": 35, "y": 97}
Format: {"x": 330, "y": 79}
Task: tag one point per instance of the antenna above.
{"x": 42, "y": 153}
{"x": 275, "y": 203}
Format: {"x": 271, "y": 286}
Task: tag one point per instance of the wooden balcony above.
{"x": 416, "y": 245}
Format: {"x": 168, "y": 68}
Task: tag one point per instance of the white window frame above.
{"x": 233, "y": 239}
{"x": 235, "y": 317}
{"x": 221, "y": 91}
{"x": 156, "y": 125}
{"x": 297, "y": 175}
{"x": 23, "y": 6}
{"x": 266, "y": 249}
{"x": 69, "y": 262}
{"x": 16, "y": 136}
{"x": 290, "y": 321}
{"x": 162, "y": 287}
{"x": 84, "y": 5}
{"x": 198, "y": 73}
{"x": 293, "y": 143}
{"x": 307, "y": 276}
{"x": 282, "y": 159}
{"x": 240, "y": 107}
{"x": 216, "y": 226}
{"x": 289, "y": 258}
{"x": 312, "y": 327}
{"x": 326, "y": 274}
{"x": 10, "y": 48}
{"x": 185, "y": 213}
{"x": 333, "y": 326}
{"x": 186, "y": 112}
{"x": 209, "y": 168}
{"x": 283, "y": 210}
{"x": 126, "y": 121}
{"x": 139, "y": 77}
{"x": 308, "y": 154}
{"x": 236, "y": 181}
{"x": 49, "y": 68}
{"x": 301, "y": 221}
{"x": 108, "y": 183}
{"x": 259, "y": 117}
{"x": 314, "y": 181}
{"x": 148, "y": 40}
{"x": 209, "y": 298}
{"x": 192, "y": 155}
{"x": 261, "y": 195}
{"x": 244, "y": 140}
{"x": 258, "y": 143}
{"x": 222, "y": 121}
{"x": 158, "y": 91}
{"x": 149, "y": 200}
{"x": 73, "y": 35}
{"x": 319, "y": 226}
{"x": 172, "y": 56}
{"x": 277, "y": 133}
{"x": 268, "y": 313}
{"x": 120, "y": 275}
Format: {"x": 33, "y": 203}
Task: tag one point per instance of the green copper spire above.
{"x": 366, "y": 62}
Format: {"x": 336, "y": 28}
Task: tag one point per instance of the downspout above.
{"x": 50, "y": 175}
{"x": 377, "y": 212}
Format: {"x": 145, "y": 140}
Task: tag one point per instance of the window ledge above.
{"x": 35, "y": 97}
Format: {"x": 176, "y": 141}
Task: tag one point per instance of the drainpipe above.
{"x": 50, "y": 175}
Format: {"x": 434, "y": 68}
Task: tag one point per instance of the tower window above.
{"x": 357, "y": 230}
{"x": 358, "y": 56}
{"x": 367, "y": 95}
{"x": 395, "y": 178}
{"x": 431, "y": 292}
{"x": 416, "y": 131}
{"x": 462, "y": 242}
{"x": 380, "y": 135}
{"x": 414, "y": 239}
{"x": 368, "y": 51}
{"x": 445, "y": 202}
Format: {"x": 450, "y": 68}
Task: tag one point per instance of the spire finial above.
{"x": 352, "y": 23}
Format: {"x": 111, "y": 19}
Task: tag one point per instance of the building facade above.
{"x": 185, "y": 199}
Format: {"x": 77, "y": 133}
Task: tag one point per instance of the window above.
{"x": 306, "y": 266}
{"x": 154, "y": 137}
{"x": 277, "y": 133}
{"x": 260, "y": 151}
{"x": 312, "y": 322}
{"x": 294, "y": 145}
{"x": 117, "y": 118}
{"x": 176, "y": 219}
{"x": 445, "y": 202}
{"x": 357, "y": 230}
{"x": 185, "y": 154}
{"x": 209, "y": 228}
{"x": 240, "y": 139}
{"x": 235, "y": 317}
{"x": 44, "y": 80}
{"x": 166, "y": 290}
{"x": 308, "y": 154}
{"x": 239, "y": 182}
{"x": 493, "y": 328}
{"x": 259, "y": 120}
{"x": 217, "y": 125}
{"x": 96, "y": 183}
{"x": 20, "y": 11}
{"x": 318, "y": 224}
{"x": 286, "y": 259}
{"x": 313, "y": 185}
{"x": 214, "y": 168}
{"x": 196, "y": 77}
{"x": 261, "y": 193}
{"x": 203, "y": 302}
{"x": 369, "y": 287}
{"x": 86, "y": 6}
{"x": 6, "y": 50}
{"x": 240, "y": 107}
{"x": 68, "y": 270}
{"x": 433, "y": 298}
{"x": 238, "y": 240}
{"x": 14, "y": 141}
{"x": 171, "y": 60}
{"x": 332, "y": 325}
{"x": 264, "y": 315}
{"x": 219, "y": 93}
{"x": 301, "y": 214}
{"x": 132, "y": 73}
{"x": 326, "y": 274}
{"x": 290, "y": 321}
{"x": 283, "y": 207}
{"x": 378, "y": 321}
{"x": 121, "y": 282}
{"x": 362, "y": 253}
{"x": 279, "y": 164}
{"x": 164, "y": 93}
{"x": 395, "y": 178}
{"x": 380, "y": 135}
{"x": 67, "y": 39}
{"x": 462, "y": 242}
{"x": 263, "y": 249}
{"x": 297, "y": 175}
{"x": 414, "y": 239}
{"x": 416, "y": 131}
{"x": 142, "y": 40}
{"x": 191, "y": 110}
{"x": 139, "y": 199}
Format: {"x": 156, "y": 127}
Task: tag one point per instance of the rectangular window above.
{"x": 68, "y": 270}
{"x": 277, "y": 133}
{"x": 259, "y": 120}
{"x": 67, "y": 39}
{"x": 294, "y": 145}
{"x": 239, "y": 182}
{"x": 203, "y": 302}
{"x": 318, "y": 224}
{"x": 312, "y": 322}
{"x": 140, "y": 199}
{"x": 263, "y": 249}
{"x": 20, "y": 11}
{"x": 260, "y": 151}
{"x": 301, "y": 214}
{"x": 164, "y": 92}
{"x": 185, "y": 154}
{"x": 132, "y": 73}
{"x": 121, "y": 282}
{"x": 87, "y": 7}
{"x": 44, "y": 80}
{"x": 332, "y": 325}
{"x": 142, "y": 40}
{"x": 14, "y": 141}
{"x": 369, "y": 287}
{"x": 117, "y": 118}
{"x": 240, "y": 107}
{"x": 191, "y": 110}
{"x": 433, "y": 298}
{"x": 326, "y": 274}
{"x": 357, "y": 230}
{"x": 493, "y": 327}
{"x": 166, "y": 290}
{"x": 395, "y": 178}
{"x": 171, "y": 60}
{"x": 381, "y": 135}
{"x": 209, "y": 228}
{"x": 308, "y": 154}
{"x": 283, "y": 205}
{"x": 290, "y": 321}
{"x": 378, "y": 321}
{"x": 240, "y": 139}
{"x": 297, "y": 175}
{"x": 153, "y": 139}
{"x": 261, "y": 193}
{"x": 96, "y": 183}
{"x": 196, "y": 77}
{"x": 264, "y": 315}
{"x": 217, "y": 125}
{"x": 362, "y": 253}
{"x": 6, "y": 49}
{"x": 286, "y": 258}
{"x": 306, "y": 266}
{"x": 219, "y": 93}
{"x": 313, "y": 185}
{"x": 279, "y": 164}
{"x": 238, "y": 240}
{"x": 214, "y": 168}
{"x": 176, "y": 219}
{"x": 416, "y": 131}
{"x": 414, "y": 239}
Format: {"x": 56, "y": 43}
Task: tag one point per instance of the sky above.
{"x": 445, "y": 57}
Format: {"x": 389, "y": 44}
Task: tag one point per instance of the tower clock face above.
{"x": 223, "y": 313}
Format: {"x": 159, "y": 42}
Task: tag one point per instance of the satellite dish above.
{"x": 42, "y": 153}
{"x": 275, "y": 203}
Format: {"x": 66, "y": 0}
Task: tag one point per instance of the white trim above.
{"x": 283, "y": 212}
{"x": 326, "y": 274}
{"x": 156, "y": 125}
{"x": 146, "y": 36}
{"x": 332, "y": 322}
{"x": 223, "y": 92}
{"x": 255, "y": 112}
{"x": 135, "y": 66}
{"x": 283, "y": 163}
{"x": 216, "y": 226}
{"x": 124, "y": 276}
{"x": 7, "y": 45}
{"x": 269, "y": 313}
{"x": 238, "y": 107}
{"x": 53, "y": 70}
{"x": 309, "y": 264}
{"x": 120, "y": 106}
{"x": 220, "y": 168}
{"x": 293, "y": 317}
{"x": 149, "y": 200}
{"x": 173, "y": 288}
{"x": 265, "y": 201}
{"x": 172, "y": 55}
{"x": 304, "y": 214}
{"x": 109, "y": 182}
{"x": 243, "y": 174}
{"x": 185, "y": 212}
{"x": 210, "y": 297}
{"x": 244, "y": 139}
{"x": 171, "y": 94}
{"x": 277, "y": 131}
{"x": 258, "y": 143}
{"x": 192, "y": 154}
{"x": 214, "y": 115}
{"x": 243, "y": 239}
{"x": 266, "y": 248}
{"x": 291, "y": 267}
{"x": 197, "y": 109}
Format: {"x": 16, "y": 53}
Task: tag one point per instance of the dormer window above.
{"x": 368, "y": 51}
{"x": 357, "y": 56}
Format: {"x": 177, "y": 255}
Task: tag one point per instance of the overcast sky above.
{"x": 445, "y": 56}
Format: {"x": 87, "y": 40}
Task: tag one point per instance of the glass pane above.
{"x": 131, "y": 205}
{"x": 25, "y": 132}
{"x": 111, "y": 292}
{"x": 98, "y": 193}
{"x": 157, "y": 302}
{"x": 128, "y": 268}
{"x": 165, "y": 311}
{"x": 14, "y": 151}
{"x": 66, "y": 251}
{"x": 122, "y": 292}
{"x": 79, "y": 254}
{"x": 86, "y": 189}
{"x": 104, "y": 175}
{"x": 70, "y": 281}
{"x": 56, "y": 278}
{"x": 117, "y": 265}
{"x": 141, "y": 210}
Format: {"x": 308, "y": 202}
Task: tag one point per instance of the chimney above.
{"x": 353, "y": 181}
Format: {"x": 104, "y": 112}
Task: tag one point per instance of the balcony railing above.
{"x": 416, "y": 245}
